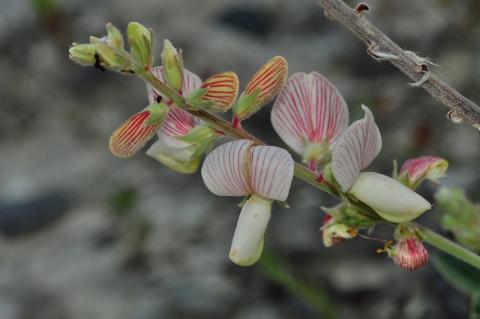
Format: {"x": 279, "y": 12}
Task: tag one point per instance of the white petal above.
{"x": 171, "y": 147}
{"x": 271, "y": 172}
{"x": 356, "y": 149}
{"x": 389, "y": 198}
{"x": 309, "y": 109}
{"x": 191, "y": 82}
{"x": 224, "y": 171}
{"x": 247, "y": 243}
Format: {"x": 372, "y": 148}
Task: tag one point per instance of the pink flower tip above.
{"x": 409, "y": 253}
{"x": 414, "y": 171}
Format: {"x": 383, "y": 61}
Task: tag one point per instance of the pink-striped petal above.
{"x": 225, "y": 169}
{"x": 133, "y": 134}
{"x": 191, "y": 82}
{"x": 271, "y": 172}
{"x": 309, "y": 109}
{"x": 266, "y": 83}
{"x": 178, "y": 122}
{"x": 222, "y": 90}
{"x": 414, "y": 170}
{"x": 355, "y": 150}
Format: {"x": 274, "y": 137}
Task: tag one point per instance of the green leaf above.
{"x": 462, "y": 276}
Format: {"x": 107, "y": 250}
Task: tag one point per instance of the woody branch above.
{"x": 382, "y": 48}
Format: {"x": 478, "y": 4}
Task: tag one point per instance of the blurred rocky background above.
{"x": 86, "y": 235}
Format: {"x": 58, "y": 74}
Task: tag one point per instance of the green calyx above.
{"x": 407, "y": 230}
{"x": 158, "y": 112}
{"x": 318, "y": 152}
{"x": 172, "y": 66}
{"x": 114, "y": 36}
{"x": 112, "y": 58}
{"x": 247, "y": 105}
{"x": 140, "y": 40}
{"x": 201, "y": 137}
{"x": 195, "y": 99}
{"x": 349, "y": 215}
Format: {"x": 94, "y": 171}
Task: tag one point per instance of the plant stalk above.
{"x": 300, "y": 171}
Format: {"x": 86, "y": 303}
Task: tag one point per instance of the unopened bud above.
{"x": 172, "y": 66}
{"x": 262, "y": 87}
{"x": 217, "y": 93}
{"x": 83, "y": 54}
{"x": 114, "y": 36}
{"x": 135, "y": 132}
{"x": 112, "y": 58}
{"x": 140, "y": 40}
{"x": 414, "y": 171}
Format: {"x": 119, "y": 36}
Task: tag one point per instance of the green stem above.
{"x": 449, "y": 247}
{"x": 301, "y": 171}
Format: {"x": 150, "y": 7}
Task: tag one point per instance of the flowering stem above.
{"x": 301, "y": 171}
{"x": 450, "y": 247}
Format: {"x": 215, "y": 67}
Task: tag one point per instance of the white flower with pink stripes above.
{"x": 310, "y": 115}
{"x": 353, "y": 152}
{"x": 182, "y": 138}
{"x": 264, "y": 173}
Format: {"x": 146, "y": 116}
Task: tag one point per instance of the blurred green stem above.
{"x": 301, "y": 171}
{"x": 450, "y": 247}
{"x": 317, "y": 299}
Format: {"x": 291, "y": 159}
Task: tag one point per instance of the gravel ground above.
{"x": 66, "y": 253}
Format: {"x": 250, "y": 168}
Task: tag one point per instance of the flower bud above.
{"x": 83, "y": 54}
{"x": 135, "y": 132}
{"x": 172, "y": 66}
{"x": 263, "y": 86}
{"x": 114, "y": 36}
{"x": 140, "y": 40}
{"x": 217, "y": 93}
{"x": 409, "y": 253}
{"x": 414, "y": 171}
{"x": 389, "y": 198}
{"x": 112, "y": 58}
{"x": 334, "y": 233}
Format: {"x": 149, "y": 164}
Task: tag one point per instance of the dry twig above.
{"x": 382, "y": 48}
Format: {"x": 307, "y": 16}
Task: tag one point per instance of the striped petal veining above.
{"x": 309, "y": 109}
{"x": 225, "y": 169}
{"x": 356, "y": 149}
{"x": 133, "y": 134}
{"x": 267, "y": 82}
{"x": 271, "y": 172}
{"x": 222, "y": 90}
